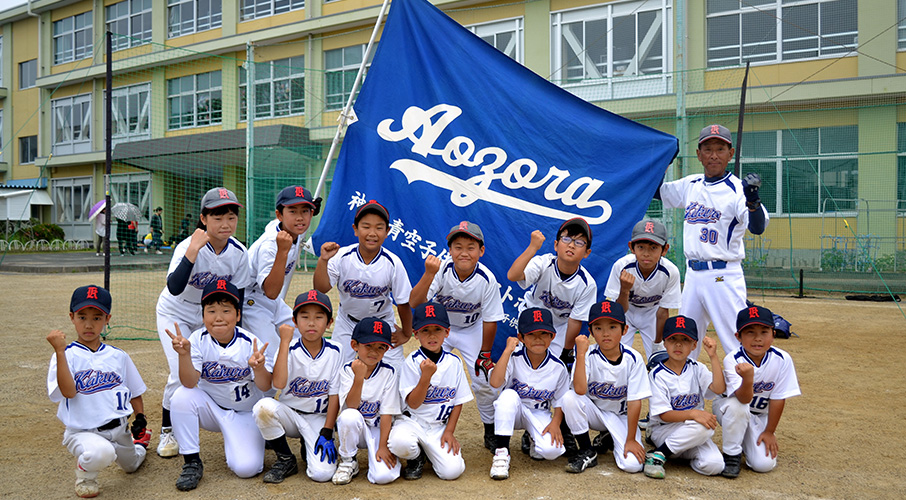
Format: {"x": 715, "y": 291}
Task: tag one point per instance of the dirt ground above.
{"x": 841, "y": 439}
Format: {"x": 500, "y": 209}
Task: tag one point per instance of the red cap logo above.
{"x": 429, "y": 312}
{"x": 464, "y": 226}
{"x": 92, "y": 292}
{"x": 649, "y": 227}
{"x": 224, "y": 194}
{"x": 536, "y": 316}
{"x": 300, "y": 192}
{"x": 753, "y": 312}
{"x": 312, "y": 295}
{"x": 605, "y": 307}
{"x": 681, "y": 322}
{"x": 715, "y": 129}
{"x": 378, "y": 328}
{"x": 221, "y": 284}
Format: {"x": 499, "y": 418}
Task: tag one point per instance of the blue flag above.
{"x": 450, "y": 129}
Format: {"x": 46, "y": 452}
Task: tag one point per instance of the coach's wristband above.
{"x": 327, "y": 433}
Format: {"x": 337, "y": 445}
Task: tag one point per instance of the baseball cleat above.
{"x": 584, "y": 459}
{"x": 500, "y": 465}
{"x": 347, "y": 469}
{"x": 167, "y": 447}
{"x": 190, "y": 476}
{"x": 86, "y": 485}
{"x": 603, "y": 442}
{"x": 528, "y": 447}
{"x": 414, "y": 467}
{"x": 731, "y": 466}
{"x": 654, "y": 465}
{"x": 284, "y": 467}
{"x": 490, "y": 441}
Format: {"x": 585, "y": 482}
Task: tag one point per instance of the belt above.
{"x": 300, "y": 412}
{"x": 353, "y": 318}
{"x": 704, "y": 265}
{"x": 113, "y": 424}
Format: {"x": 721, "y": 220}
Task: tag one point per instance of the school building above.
{"x": 825, "y": 128}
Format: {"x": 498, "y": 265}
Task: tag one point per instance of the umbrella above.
{"x": 126, "y": 212}
{"x": 96, "y": 209}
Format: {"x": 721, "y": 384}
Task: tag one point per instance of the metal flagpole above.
{"x": 344, "y": 115}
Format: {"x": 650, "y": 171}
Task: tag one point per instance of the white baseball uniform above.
{"x": 528, "y": 397}
{"x": 742, "y": 424}
{"x": 230, "y": 264}
{"x": 262, "y": 315}
{"x": 106, "y": 381}
{"x": 222, "y": 401}
{"x": 424, "y": 426}
{"x": 564, "y": 298}
{"x": 611, "y": 384}
{"x": 715, "y": 222}
{"x": 366, "y": 290}
{"x": 660, "y": 289}
{"x": 360, "y": 427}
{"x": 686, "y": 390}
{"x": 302, "y": 408}
{"x": 469, "y": 303}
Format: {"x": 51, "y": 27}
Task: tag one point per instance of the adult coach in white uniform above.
{"x": 718, "y": 209}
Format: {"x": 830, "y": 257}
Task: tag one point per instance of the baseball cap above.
{"x": 754, "y": 315}
{"x": 467, "y": 228}
{"x": 430, "y": 313}
{"x": 536, "y": 319}
{"x": 218, "y": 197}
{"x": 371, "y": 330}
{"x": 579, "y": 223}
{"x": 220, "y": 286}
{"x": 294, "y": 195}
{"x": 373, "y": 207}
{"x": 681, "y": 325}
{"x": 607, "y": 309}
{"x": 715, "y": 132}
{"x": 90, "y": 296}
{"x": 313, "y": 297}
{"x": 649, "y": 230}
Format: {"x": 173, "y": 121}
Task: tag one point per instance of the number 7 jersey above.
{"x": 365, "y": 289}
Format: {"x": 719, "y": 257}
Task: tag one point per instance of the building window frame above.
{"x": 496, "y": 34}
{"x": 197, "y": 100}
{"x": 71, "y": 124}
{"x": 185, "y": 17}
{"x": 28, "y": 74}
{"x": 279, "y": 88}
{"x": 131, "y": 19}
{"x": 28, "y": 149}
{"x": 256, "y": 9}
{"x": 340, "y": 68}
{"x": 72, "y": 38}
{"x": 131, "y": 108}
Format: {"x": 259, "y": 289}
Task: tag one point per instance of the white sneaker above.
{"x": 167, "y": 447}
{"x": 86, "y": 485}
{"x": 159, "y": 252}
{"x": 500, "y": 465}
{"x": 347, "y": 469}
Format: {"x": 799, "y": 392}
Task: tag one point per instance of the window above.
{"x": 341, "y": 67}
{"x": 130, "y": 23}
{"x": 1, "y": 61}
{"x": 131, "y": 113}
{"x": 901, "y": 25}
{"x": 505, "y": 36}
{"x": 252, "y": 9}
{"x": 190, "y": 16}
{"x": 72, "y": 200}
{"x": 621, "y": 47}
{"x": 28, "y": 73}
{"x": 72, "y": 38}
{"x": 28, "y": 149}
{"x": 279, "y": 88}
{"x": 780, "y": 30}
{"x": 194, "y": 100}
{"x": 133, "y": 188}
{"x": 71, "y": 124}
{"x": 805, "y": 171}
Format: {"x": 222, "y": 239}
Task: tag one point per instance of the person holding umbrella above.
{"x": 127, "y": 216}
{"x": 98, "y": 214}
{"x": 157, "y": 231}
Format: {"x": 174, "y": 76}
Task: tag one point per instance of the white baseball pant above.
{"x": 692, "y": 441}
{"x": 242, "y": 442}
{"x": 468, "y": 342}
{"x": 342, "y": 334}
{"x": 581, "y": 413}
{"x": 95, "y": 449}
{"x": 643, "y": 319}
{"x": 408, "y": 433}
{"x": 188, "y": 316}
{"x": 275, "y": 419}
{"x": 741, "y": 430}
{"x": 715, "y": 296}
{"x": 354, "y": 434}
{"x": 511, "y": 414}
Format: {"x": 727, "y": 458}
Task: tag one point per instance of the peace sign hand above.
{"x": 180, "y": 344}
{"x": 257, "y": 359}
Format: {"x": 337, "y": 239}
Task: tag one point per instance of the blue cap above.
{"x": 607, "y": 309}
{"x": 536, "y": 319}
{"x": 371, "y": 330}
{"x": 90, "y": 296}
{"x": 754, "y": 315}
{"x": 294, "y": 195}
{"x": 430, "y": 313}
{"x": 313, "y": 297}
{"x": 372, "y": 207}
{"x": 681, "y": 325}
{"x": 220, "y": 286}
